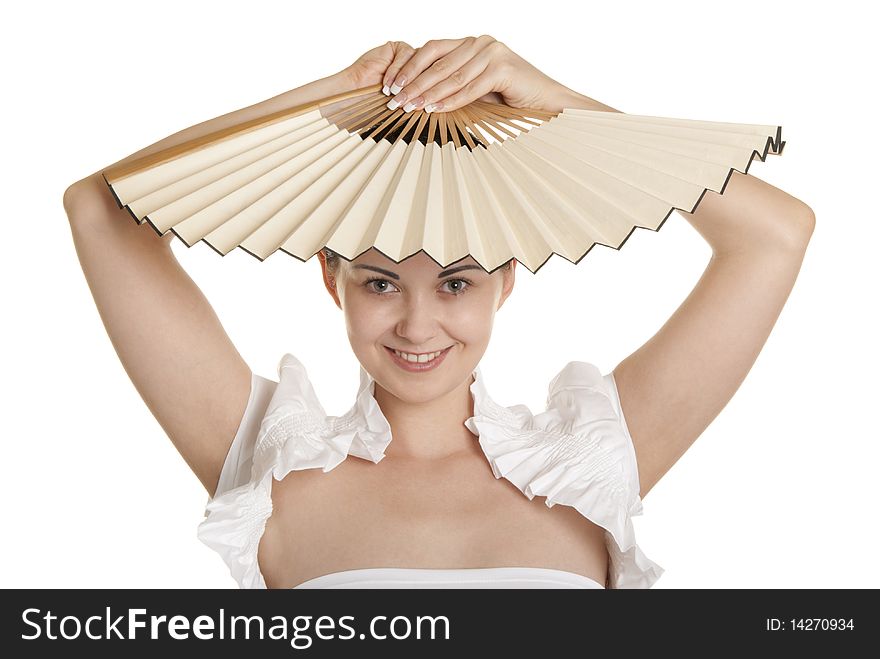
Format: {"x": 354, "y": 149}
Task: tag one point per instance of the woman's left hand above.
{"x": 446, "y": 74}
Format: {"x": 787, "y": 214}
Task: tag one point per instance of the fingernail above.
{"x": 409, "y": 107}
{"x": 398, "y": 85}
{"x": 386, "y": 91}
{"x": 433, "y": 107}
{"x": 392, "y": 104}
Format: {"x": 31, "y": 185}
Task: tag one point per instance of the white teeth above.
{"x": 421, "y": 359}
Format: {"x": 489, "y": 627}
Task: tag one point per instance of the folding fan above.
{"x": 487, "y": 180}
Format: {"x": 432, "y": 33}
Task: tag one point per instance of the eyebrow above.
{"x": 394, "y": 275}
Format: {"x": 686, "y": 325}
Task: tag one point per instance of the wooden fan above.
{"x": 487, "y": 180}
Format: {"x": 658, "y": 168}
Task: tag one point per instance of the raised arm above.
{"x": 166, "y": 334}
{"x": 674, "y": 386}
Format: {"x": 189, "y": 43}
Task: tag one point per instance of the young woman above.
{"x": 301, "y": 499}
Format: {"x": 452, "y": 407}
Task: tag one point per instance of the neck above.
{"x": 432, "y": 430}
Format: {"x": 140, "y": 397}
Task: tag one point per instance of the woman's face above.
{"x": 418, "y": 307}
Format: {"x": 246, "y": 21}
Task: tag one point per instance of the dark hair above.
{"x": 334, "y": 260}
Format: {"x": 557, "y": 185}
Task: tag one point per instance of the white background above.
{"x": 778, "y": 492}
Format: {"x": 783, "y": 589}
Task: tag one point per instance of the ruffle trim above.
{"x": 295, "y": 434}
{"x": 576, "y": 453}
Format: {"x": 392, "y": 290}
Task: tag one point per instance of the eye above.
{"x": 458, "y": 290}
{"x": 373, "y": 290}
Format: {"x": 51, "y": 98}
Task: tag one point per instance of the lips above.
{"x": 418, "y": 366}
{"x": 419, "y": 354}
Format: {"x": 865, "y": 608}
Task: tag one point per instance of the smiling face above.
{"x": 417, "y": 307}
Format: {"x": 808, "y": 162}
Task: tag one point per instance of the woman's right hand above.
{"x": 382, "y": 64}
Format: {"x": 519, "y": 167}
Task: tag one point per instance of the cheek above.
{"x": 364, "y": 318}
{"x": 471, "y": 321}
{"x": 476, "y": 333}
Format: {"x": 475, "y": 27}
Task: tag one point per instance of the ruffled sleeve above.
{"x": 576, "y": 453}
{"x": 239, "y": 459}
{"x": 294, "y": 433}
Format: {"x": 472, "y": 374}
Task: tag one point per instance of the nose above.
{"x": 419, "y": 323}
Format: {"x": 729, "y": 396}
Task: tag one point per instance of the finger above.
{"x": 421, "y": 60}
{"x": 402, "y": 54}
{"x": 460, "y": 84}
{"x": 480, "y": 86}
{"x": 455, "y": 66}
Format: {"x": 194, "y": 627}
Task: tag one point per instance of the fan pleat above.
{"x": 707, "y": 135}
{"x": 697, "y": 171}
{"x": 719, "y": 154}
{"x": 471, "y": 241}
{"x": 430, "y": 205}
{"x": 202, "y": 210}
{"x": 457, "y": 209}
{"x": 758, "y": 131}
{"x": 743, "y": 146}
{"x": 561, "y": 222}
{"x": 305, "y": 190}
{"x": 361, "y": 221}
{"x": 395, "y": 232}
{"x": 535, "y": 243}
{"x": 251, "y": 205}
{"x": 137, "y": 186}
{"x": 672, "y": 190}
{"x": 607, "y": 191}
{"x": 557, "y": 184}
{"x": 422, "y": 197}
{"x": 174, "y": 203}
{"x": 578, "y": 222}
{"x": 491, "y": 238}
{"x": 203, "y": 187}
{"x": 317, "y": 227}
{"x": 240, "y": 212}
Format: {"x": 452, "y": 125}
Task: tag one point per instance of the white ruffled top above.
{"x": 577, "y": 453}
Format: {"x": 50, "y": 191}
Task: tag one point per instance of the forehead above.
{"x": 416, "y": 266}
